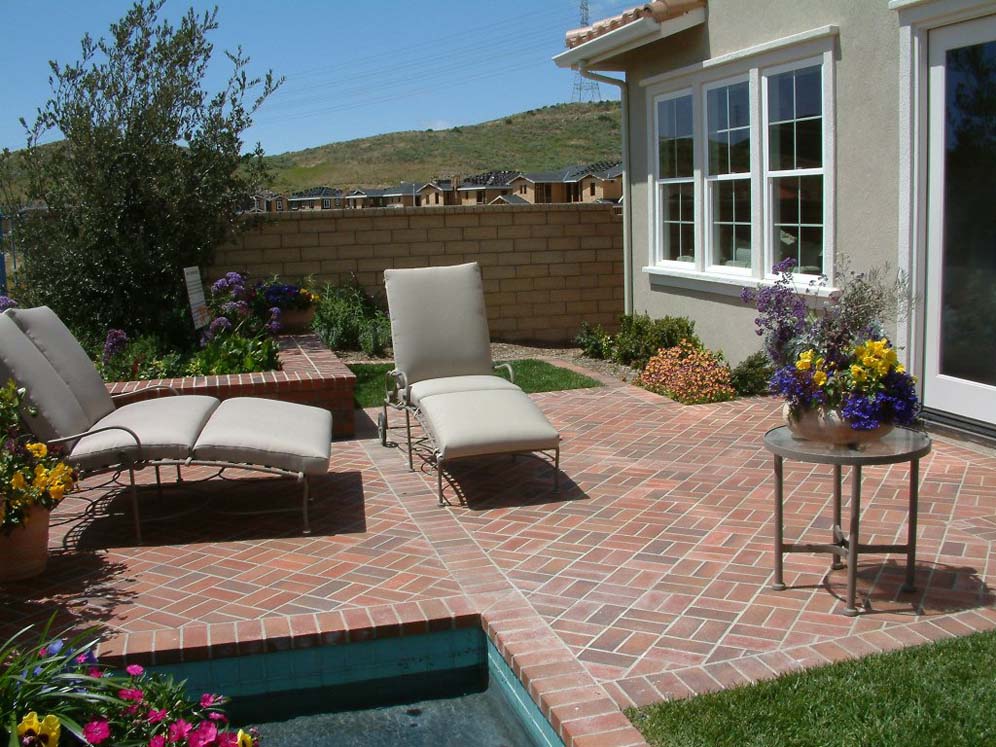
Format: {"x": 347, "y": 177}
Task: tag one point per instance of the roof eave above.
{"x": 592, "y": 54}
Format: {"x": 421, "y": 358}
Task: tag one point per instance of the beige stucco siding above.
{"x": 866, "y": 123}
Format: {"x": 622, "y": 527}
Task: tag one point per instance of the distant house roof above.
{"x": 510, "y": 200}
{"x": 595, "y": 44}
{"x": 570, "y": 174}
{"x": 315, "y": 192}
{"x": 443, "y": 185}
{"x": 489, "y": 179}
{"x": 405, "y": 188}
{"x": 361, "y": 192}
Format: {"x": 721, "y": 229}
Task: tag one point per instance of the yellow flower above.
{"x": 38, "y": 450}
{"x": 48, "y": 728}
{"x": 805, "y": 361}
{"x": 858, "y": 373}
{"x": 244, "y": 740}
{"x": 41, "y": 477}
{"x": 17, "y": 482}
{"x": 900, "y": 368}
{"x": 819, "y": 378}
{"x": 57, "y": 491}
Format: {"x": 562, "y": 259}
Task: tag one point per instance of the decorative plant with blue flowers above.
{"x": 832, "y": 353}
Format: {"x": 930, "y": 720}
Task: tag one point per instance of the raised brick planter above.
{"x": 311, "y": 375}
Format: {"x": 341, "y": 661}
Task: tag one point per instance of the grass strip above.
{"x": 532, "y": 375}
{"x": 937, "y": 694}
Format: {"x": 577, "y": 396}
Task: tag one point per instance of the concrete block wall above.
{"x": 546, "y": 268}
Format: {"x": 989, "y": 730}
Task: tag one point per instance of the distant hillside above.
{"x": 535, "y": 140}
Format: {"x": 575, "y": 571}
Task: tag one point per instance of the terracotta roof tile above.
{"x": 659, "y": 10}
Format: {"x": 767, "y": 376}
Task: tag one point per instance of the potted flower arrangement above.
{"x": 296, "y": 303}
{"x": 834, "y": 365}
{"x": 55, "y": 692}
{"x": 33, "y": 480}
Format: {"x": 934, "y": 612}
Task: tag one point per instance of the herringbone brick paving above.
{"x": 645, "y": 578}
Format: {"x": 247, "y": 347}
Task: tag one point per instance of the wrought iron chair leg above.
{"x": 304, "y": 506}
{"x": 408, "y": 427}
{"x": 159, "y": 484}
{"x": 134, "y": 505}
{"x": 556, "y": 471}
{"x": 439, "y": 480}
{"x": 179, "y": 477}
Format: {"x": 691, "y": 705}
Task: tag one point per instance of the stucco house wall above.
{"x": 864, "y": 159}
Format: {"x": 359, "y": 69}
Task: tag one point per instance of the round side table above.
{"x": 901, "y": 445}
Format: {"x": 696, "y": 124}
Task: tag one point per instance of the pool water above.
{"x": 447, "y": 688}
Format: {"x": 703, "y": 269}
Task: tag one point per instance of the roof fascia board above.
{"x": 623, "y": 39}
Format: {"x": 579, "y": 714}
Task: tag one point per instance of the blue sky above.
{"x": 354, "y": 67}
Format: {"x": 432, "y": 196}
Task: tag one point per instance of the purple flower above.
{"x": 220, "y": 324}
{"x": 797, "y": 388}
{"x": 6, "y": 302}
{"x": 786, "y": 265}
{"x": 235, "y": 308}
{"x": 781, "y": 313}
{"x": 114, "y": 343}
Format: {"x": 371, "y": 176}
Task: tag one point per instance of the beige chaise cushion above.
{"x": 56, "y": 411}
{"x": 166, "y": 426}
{"x": 429, "y": 387}
{"x": 464, "y": 424}
{"x": 439, "y": 324}
{"x": 267, "y": 432}
{"x": 54, "y": 340}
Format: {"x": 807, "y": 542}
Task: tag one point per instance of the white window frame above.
{"x": 657, "y": 214}
{"x": 807, "y": 49}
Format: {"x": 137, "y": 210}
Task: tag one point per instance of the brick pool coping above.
{"x": 311, "y": 374}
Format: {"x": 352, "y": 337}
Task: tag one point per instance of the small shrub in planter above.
{"x": 690, "y": 374}
{"x": 348, "y": 318}
{"x": 594, "y": 342}
{"x": 640, "y": 337}
{"x": 751, "y": 376}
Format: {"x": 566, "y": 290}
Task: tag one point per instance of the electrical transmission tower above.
{"x": 585, "y": 89}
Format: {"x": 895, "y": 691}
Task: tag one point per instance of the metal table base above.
{"x": 899, "y": 446}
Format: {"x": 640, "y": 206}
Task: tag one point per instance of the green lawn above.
{"x": 531, "y": 375}
{"x": 937, "y": 694}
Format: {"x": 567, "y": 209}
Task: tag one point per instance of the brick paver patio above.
{"x": 645, "y": 579}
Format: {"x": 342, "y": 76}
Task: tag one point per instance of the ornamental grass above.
{"x": 688, "y": 374}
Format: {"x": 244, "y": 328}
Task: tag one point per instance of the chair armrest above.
{"x": 508, "y": 367}
{"x": 81, "y": 436}
{"x": 133, "y": 392}
{"x": 394, "y": 382}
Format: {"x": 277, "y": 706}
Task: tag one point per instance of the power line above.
{"x": 584, "y": 89}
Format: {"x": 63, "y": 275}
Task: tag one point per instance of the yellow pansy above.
{"x": 38, "y": 450}
{"x": 17, "y": 482}
{"x": 858, "y": 373}
{"x": 900, "y": 368}
{"x": 47, "y": 729}
{"x": 41, "y": 477}
{"x": 244, "y": 740}
{"x": 805, "y": 361}
{"x": 57, "y": 491}
{"x": 819, "y": 378}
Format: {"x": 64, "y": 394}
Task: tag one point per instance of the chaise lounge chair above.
{"x": 70, "y": 406}
{"x": 444, "y": 376}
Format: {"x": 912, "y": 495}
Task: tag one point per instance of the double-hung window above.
{"x": 738, "y": 171}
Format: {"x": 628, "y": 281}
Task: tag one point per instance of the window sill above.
{"x": 722, "y": 284}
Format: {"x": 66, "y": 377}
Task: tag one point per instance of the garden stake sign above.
{"x": 195, "y": 292}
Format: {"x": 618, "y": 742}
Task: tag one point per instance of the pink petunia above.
{"x": 216, "y": 716}
{"x": 95, "y": 672}
{"x": 96, "y": 731}
{"x": 203, "y": 736}
{"x": 131, "y": 693}
{"x": 208, "y": 700}
{"x": 227, "y": 739}
{"x": 179, "y": 730}
{"x": 158, "y": 741}
{"x": 135, "y": 670}
{"x": 155, "y": 716}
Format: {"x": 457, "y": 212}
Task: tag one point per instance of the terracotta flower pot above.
{"x": 297, "y": 320}
{"x": 24, "y": 551}
{"x": 828, "y": 426}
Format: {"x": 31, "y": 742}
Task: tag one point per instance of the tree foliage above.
{"x": 149, "y": 177}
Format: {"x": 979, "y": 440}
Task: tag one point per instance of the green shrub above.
{"x": 751, "y": 376}
{"x": 640, "y": 337}
{"x": 346, "y": 313}
{"x": 594, "y": 342}
{"x": 145, "y": 357}
{"x": 230, "y": 353}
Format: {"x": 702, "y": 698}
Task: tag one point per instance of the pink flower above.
{"x": 208, "y": 700}
{"x": 203, "y": 736}
{"x": 131, "y": 693}
{"x": 216, "y": 716}
{"x": 158, "y": 741}
{"x": 155, "y": 716}
{"x": 95, "y": 672}
{"x": 179, "y": 730}
{"x": 132, "y": 709}
{"x": 135, "y": 670}
{"x": 227, "y": 739}
{"x": 96, "y": 731}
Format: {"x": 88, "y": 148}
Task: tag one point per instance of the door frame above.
{"x": 916, "y": 19}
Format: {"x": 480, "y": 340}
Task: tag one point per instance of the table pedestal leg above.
{"x": 835, "y": 564}
{"x": 910, "y": 584}
{"x": 852, "y": 541}
{"x": 778, "y": 583}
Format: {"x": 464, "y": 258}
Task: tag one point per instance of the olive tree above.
{"x": 149, "y": 175}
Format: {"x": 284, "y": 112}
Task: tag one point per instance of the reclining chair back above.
{"x": 41, "y": 354}
{"x": 439, "y": 323}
